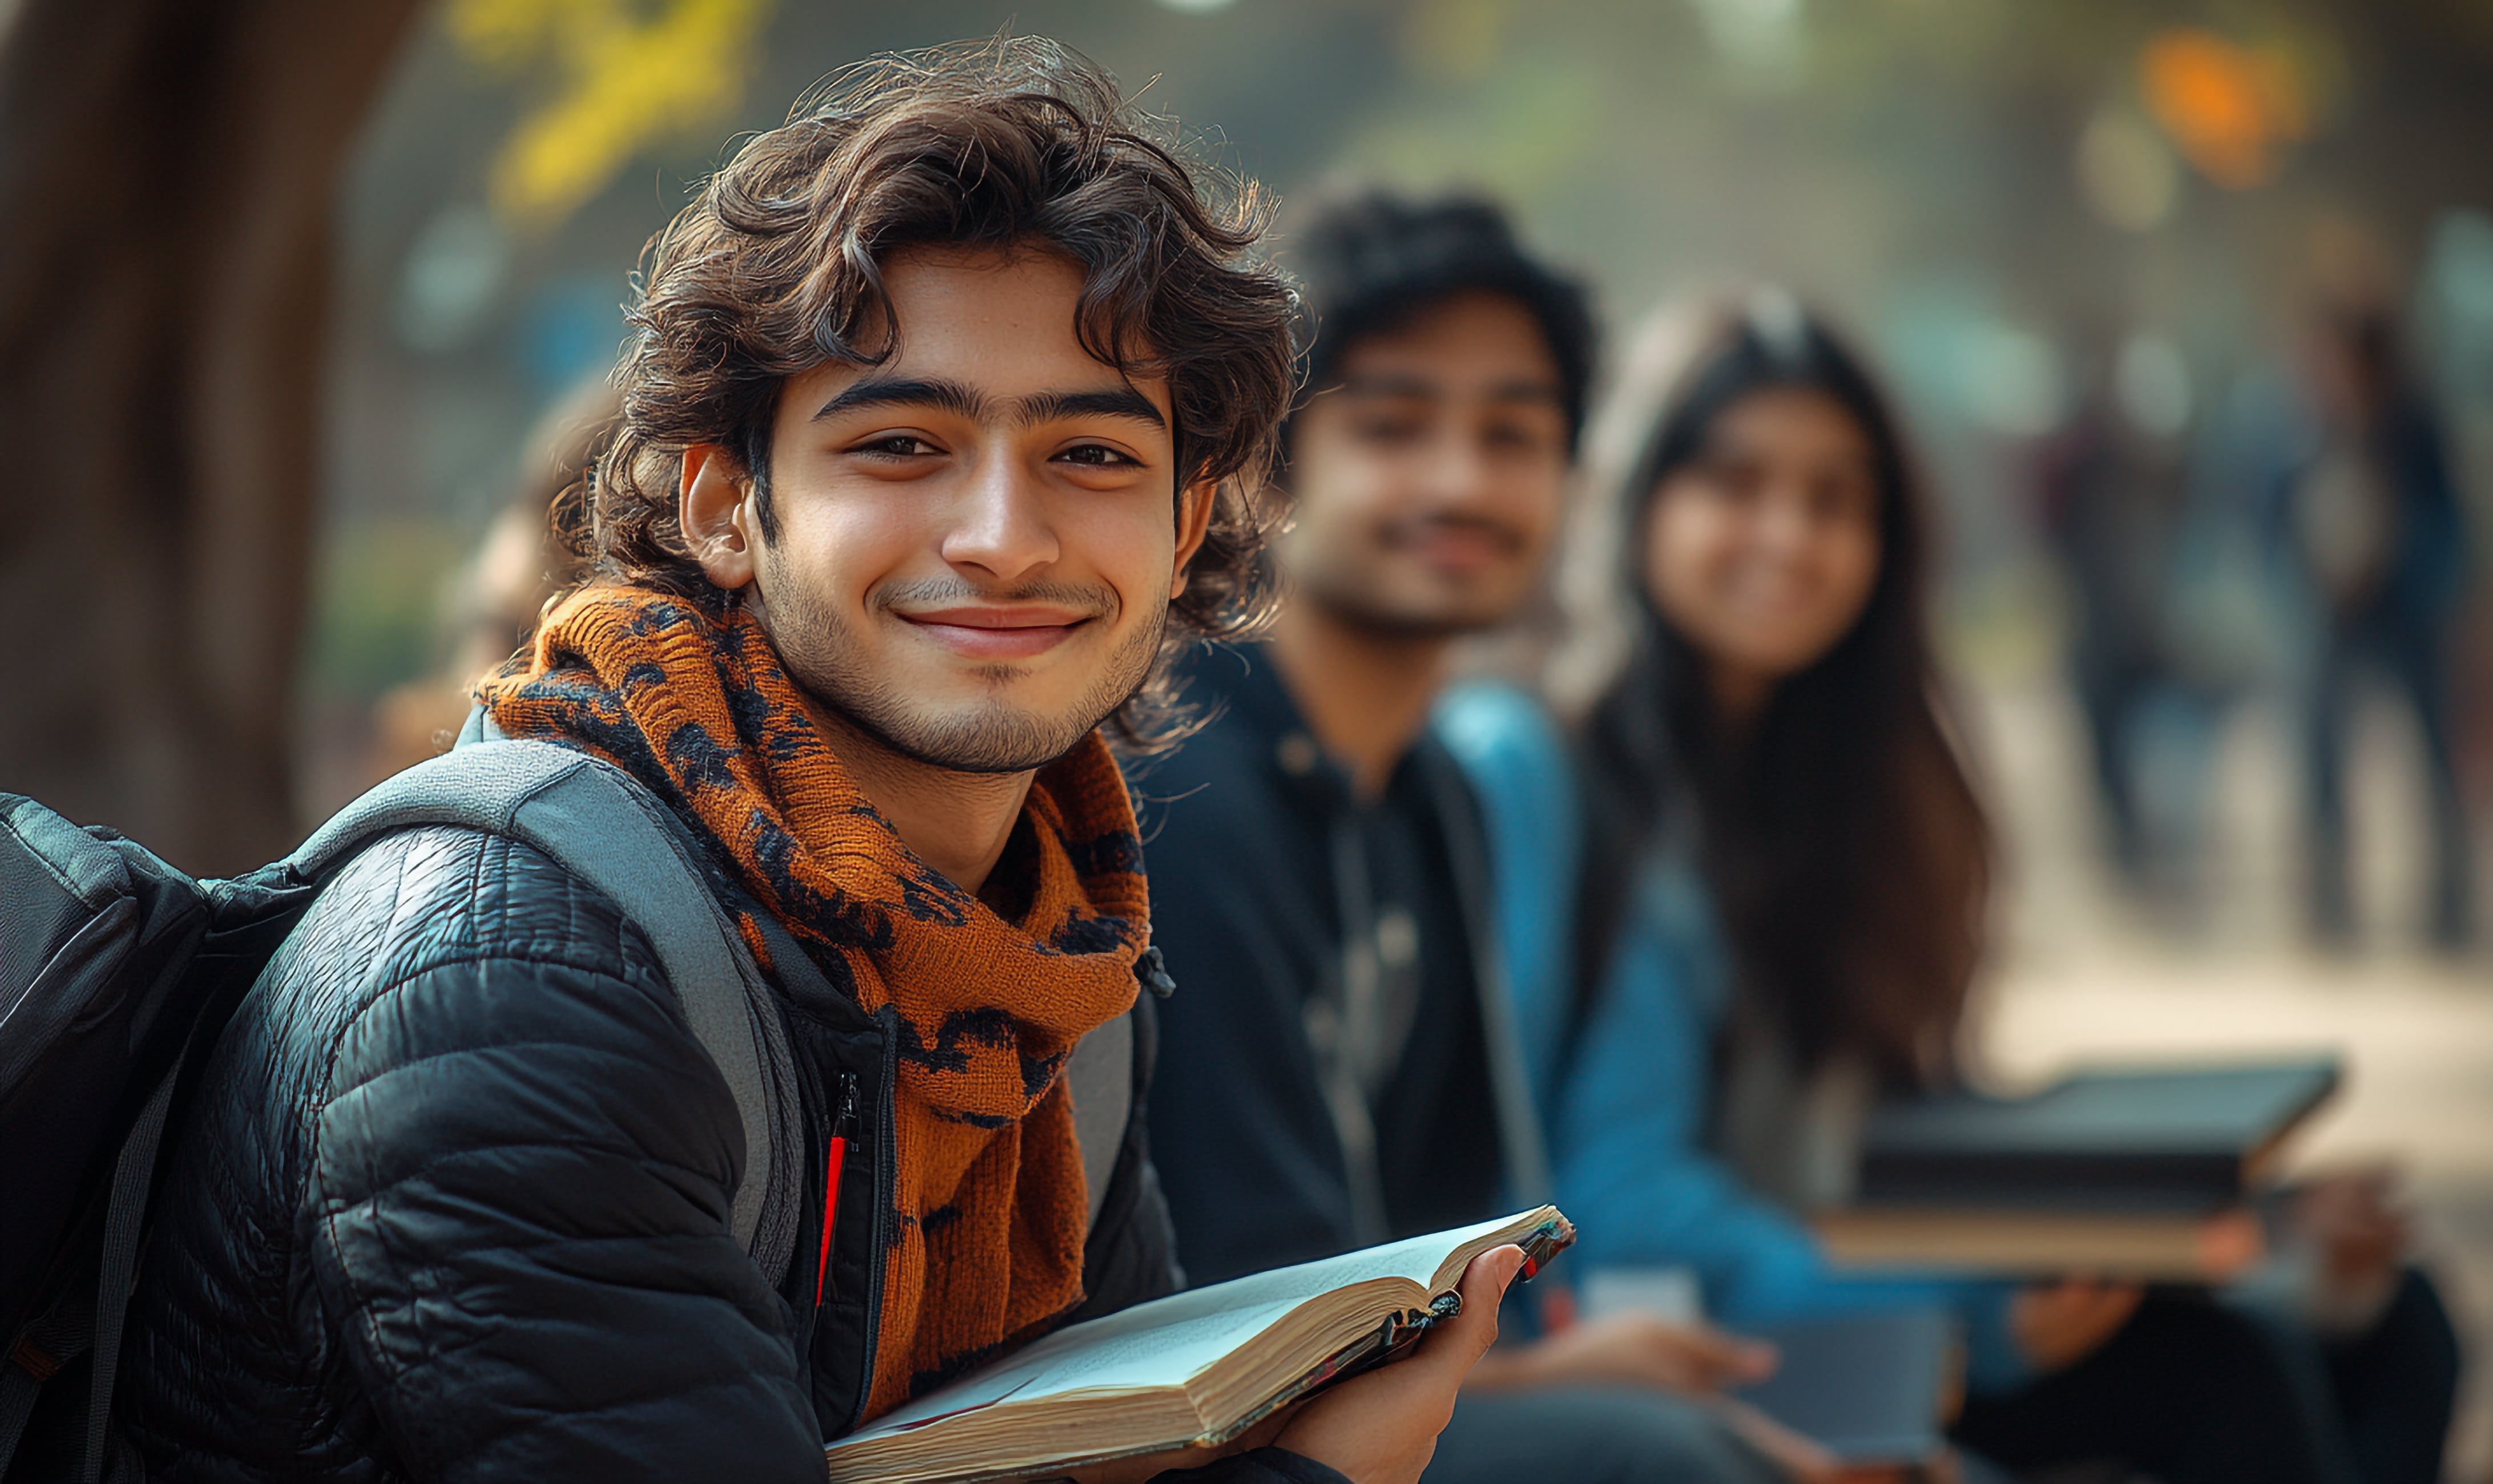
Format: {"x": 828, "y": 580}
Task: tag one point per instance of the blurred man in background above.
{"x": 1340, "y": 1063}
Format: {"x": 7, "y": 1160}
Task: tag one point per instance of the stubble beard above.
{"x": 1352, "y": 601}
{"x": 1349, "y": 591}
{"x": 822, "y": 657}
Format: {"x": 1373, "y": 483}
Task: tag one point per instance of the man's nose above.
{"x": 999, "y": 525}
{"x": 1458, "y": 472}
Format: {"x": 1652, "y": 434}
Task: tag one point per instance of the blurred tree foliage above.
{"x": 382, "y": 591}
{"x": 631, "y": 75}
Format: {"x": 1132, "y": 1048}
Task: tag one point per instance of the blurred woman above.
{"x": 1783, "y": 888}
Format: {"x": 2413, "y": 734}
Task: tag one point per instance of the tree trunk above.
{"x": 168, "y": 174}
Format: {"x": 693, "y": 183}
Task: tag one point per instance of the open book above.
{"x": 1194, "y": 1368}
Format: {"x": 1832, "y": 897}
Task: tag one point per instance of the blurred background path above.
{"x": 2087, "y": 973}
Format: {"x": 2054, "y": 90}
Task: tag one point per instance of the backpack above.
{"x": 118, "y": 972}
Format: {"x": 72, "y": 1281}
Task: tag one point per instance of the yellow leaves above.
{"x": 1454, "y": 40}
{"x": 632, "y": 75}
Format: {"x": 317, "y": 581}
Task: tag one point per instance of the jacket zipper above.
{"x": 1345, "y": 1098}
{"x": 843, "y": 1138}
{"x": 1523, "y": 1144}
{"x": 888, "y": 1160}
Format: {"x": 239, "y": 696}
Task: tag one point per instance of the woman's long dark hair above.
{"x": 1845, "y": 848}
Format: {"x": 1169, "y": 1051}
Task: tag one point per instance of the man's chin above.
{"x": 1426, "y": 620}
{"x": 985, "y": 738}
{"x": 974, "y": 719}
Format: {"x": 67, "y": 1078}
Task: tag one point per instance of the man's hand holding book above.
{"x": 1380, "y": 1428}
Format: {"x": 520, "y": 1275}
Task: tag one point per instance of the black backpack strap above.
{"x": 47, "y": 1344}
{"x": 604, "y": 827}
{"x": 80, "y": 1326}
{"x": 125, "y": 1219}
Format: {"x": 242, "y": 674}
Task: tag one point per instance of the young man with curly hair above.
{"x": 940, "y": 415}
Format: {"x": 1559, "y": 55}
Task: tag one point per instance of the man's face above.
{"x": 978, "y": 539}
{"x": 1428, "y": 481}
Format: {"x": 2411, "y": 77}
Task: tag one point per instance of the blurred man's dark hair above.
{"x": 1370, "y": 264}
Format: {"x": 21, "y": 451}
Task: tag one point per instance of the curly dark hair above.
{"x": 1371, "y": 262}
{"x": 775, "y": 268}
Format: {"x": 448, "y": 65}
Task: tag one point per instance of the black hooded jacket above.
{"x": 452, "y": 1201}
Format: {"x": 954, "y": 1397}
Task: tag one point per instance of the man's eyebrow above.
{"x": 1121, "y": 402}
{"x": 1389, "y": 384}
{"x": 1520, "y": 389}
{"x": 935, "y": 392}
{"x": 949, "y": 395}
{"x": 1526, "y": 389}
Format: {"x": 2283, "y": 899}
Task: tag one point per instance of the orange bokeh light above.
{"x": 2229, "y": 109}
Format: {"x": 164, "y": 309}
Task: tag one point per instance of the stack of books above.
{"x": 2137, "y": 1173}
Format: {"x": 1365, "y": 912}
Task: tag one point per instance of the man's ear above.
{"x": 1194, "y": 520}
{"x": 715, "y": 509}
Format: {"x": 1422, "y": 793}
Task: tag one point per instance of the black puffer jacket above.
{"x": 452, "y": 1201}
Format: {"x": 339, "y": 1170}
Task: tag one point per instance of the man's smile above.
{"x": 1019, "y": 631}
{"x": 1456, "y": 546}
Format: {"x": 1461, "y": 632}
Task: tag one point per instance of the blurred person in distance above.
{"x": 2376, "y": 548}
{"x": 2111, "y": 491}
{"x": 1781, "y": 904}
{"x": 1334, "y": 1066}
{"x": 496, "y": 596}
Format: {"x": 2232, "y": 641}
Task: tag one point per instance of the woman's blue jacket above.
{"x": 1625, "y": 1104}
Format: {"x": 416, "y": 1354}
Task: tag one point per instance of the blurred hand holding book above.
{"x": 1871, "y": 1388}
{"x": 2148, "y": 1174}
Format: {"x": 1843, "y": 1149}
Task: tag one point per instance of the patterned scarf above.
{"x": 991, "y": 1210}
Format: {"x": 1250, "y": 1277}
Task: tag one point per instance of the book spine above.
{"x": 2161, "y": 1182}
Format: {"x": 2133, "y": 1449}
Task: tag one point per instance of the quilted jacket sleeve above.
{"x": 514, "y": 1217}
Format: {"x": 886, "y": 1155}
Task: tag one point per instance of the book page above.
{"x": 1169, "y": 1341}
{"x": 1413, "y": 1257}
{"x": 1081, "y": 1358}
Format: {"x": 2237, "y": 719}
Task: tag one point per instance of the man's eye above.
{"x": 1099, "y": 457}
{"x": 1512, "y": 436}
{"x": 899, "y": 445}
{"x": 1389, "y": 430}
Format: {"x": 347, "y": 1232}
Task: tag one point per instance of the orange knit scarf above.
{"x": 991, "y": 1211}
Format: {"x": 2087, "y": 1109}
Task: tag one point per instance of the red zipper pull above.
{"x": 843, "y": 1134}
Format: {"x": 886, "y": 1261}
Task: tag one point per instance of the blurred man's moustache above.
{"x": 1500, "y": 530}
